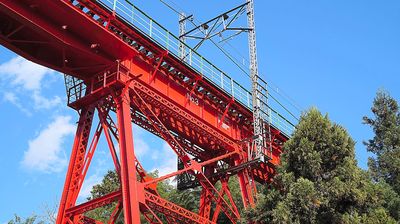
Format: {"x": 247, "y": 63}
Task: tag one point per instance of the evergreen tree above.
{"x": 386, "y": 142}
{"x": 30, "y": 220}
{"x": 318, "y": 180}
{"x": 385, "y": 166}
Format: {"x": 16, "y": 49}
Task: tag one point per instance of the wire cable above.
{"x": 170, "y": 7}
{"x": 237, "y": 63}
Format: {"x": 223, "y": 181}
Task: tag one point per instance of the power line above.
{"x": 170, "y": 7}
{"x": 237, "y": 63}
{"x": 290, "y": 100}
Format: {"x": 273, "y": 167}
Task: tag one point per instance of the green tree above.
{"x": 385, "y": 166}
{"x": 318, "y": 180}
{"x": 386, "y": 142}
{"x": 188, "y": 199}
{"x": 109, "y": 184}
{"x": 30, "y": 220}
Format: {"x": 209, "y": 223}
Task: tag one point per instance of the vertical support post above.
{"x": 206, "y": 197}
{"x": 182, "y": 31}
{"x": 232, "y": 88}
{"x": 167, "y": 44}
{"x": 127, "y": 157}
{"x": 244, "y": 184}
{"x": 205, "y": 204}
{"x": 190, "y": 56}
{"x": 76, "y": 163}
{"x": 150, "y": 27}
{"x": 114, "y": 6}
{"x": 244, "y": 188}
{"x": 133, "y": 14}
{"x": 256, "y": 98}
{"x": 224, "y": 191}
{"x": 222, "y": 80}
{"x": 257, "y": 119}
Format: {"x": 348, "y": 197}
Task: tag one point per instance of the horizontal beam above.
{"x": 170, "y": 209}
{"x": 95, "y": 203}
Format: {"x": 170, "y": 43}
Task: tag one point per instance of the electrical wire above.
{"x": 170, "y": 7}
{"x": 237, "y": 63}
{"x": 281, "y": 92}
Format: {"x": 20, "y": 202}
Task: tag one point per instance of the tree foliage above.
{"x": 319, "y": 181}
{"x": 385, "y": 166}
{"x": 386, "y": 142}
{"x": 188, "y": 199}
{"x": 33, "y": 219}
{"x": 109, "y": 184}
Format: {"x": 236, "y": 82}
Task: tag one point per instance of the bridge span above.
{"x": 119, "y": 61}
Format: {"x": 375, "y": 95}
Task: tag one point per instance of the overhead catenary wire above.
{"x": 170, "y": 7}
{"x": 281, "y": 92}
{"x": 237, "y": 63}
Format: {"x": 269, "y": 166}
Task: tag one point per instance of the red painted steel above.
{"x": 75, "y": 167}
{"x": 127, "y": 156}
{"x": 126, "y": 73}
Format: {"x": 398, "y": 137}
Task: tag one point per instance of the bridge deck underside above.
{"x": 107, "y": 54}
{"x": 63, "y": 38}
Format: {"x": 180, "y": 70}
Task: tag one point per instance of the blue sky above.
{"x": 333, "y": 55}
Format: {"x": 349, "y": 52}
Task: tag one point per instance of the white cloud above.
{"x": 164, "y": 160}
{"x": 24, "y": 73}
{"x": 140, "y": 144}
{"x": 10, "y": 97}
{"x": 88, "y": 185}
{"x": 41, "y": 102}
{"x": 45, "y": 152}
{"x": 96, "y": 173}
{"x": 141, "y": 147}
{"x": 13, "y": 99}
{"x": 167, "y": 162}
{"x": 25, "y": 78}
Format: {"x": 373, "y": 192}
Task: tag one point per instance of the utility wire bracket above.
{"x": 224, "y": 22}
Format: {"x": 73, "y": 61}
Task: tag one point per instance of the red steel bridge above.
{"x": 124, "y": 67}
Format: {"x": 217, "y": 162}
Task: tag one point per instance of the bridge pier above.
{"x": 116, "y": 66}
{"x": 127, "y": 156}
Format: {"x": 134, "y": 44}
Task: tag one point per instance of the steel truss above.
{"x": 225, "y": 23}
{"x": 139, "y": 196}
{"x": 141, "y": 83}
{"x": 143, "y": 193}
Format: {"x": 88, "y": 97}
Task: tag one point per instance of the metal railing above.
{"x": 146, "y": 25}
{"x": 75, "y": 88}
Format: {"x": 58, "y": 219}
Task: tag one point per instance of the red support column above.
{"x": 115, "y": 213}
{"x": 127, "y": 157}
{"x": 205, "y": 196}
{"x": 244, "y": 184}
{"x": 205, "y": 203}
{"x": 76, "y": 164}
{"x": 195, "y": 167}
{"x": 244, "y": 189}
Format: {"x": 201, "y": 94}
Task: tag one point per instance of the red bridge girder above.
{"x": 124, "y": 71}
